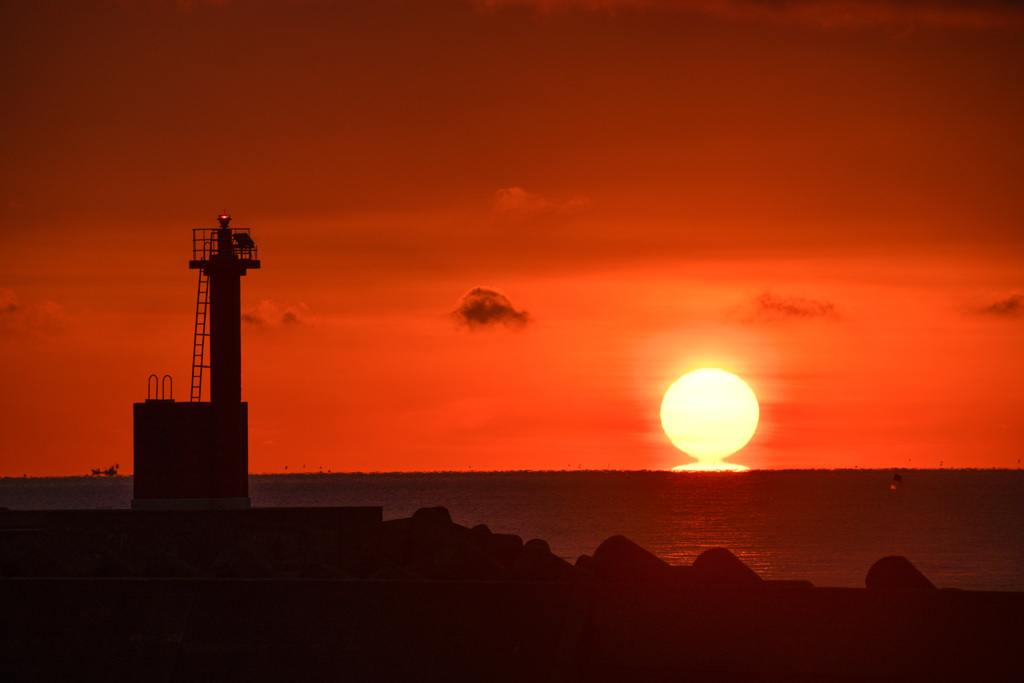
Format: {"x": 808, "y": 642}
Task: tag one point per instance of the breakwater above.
{"x": 337, "y": 593}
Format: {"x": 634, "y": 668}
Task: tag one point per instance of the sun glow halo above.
{"x": 709, "y": 414}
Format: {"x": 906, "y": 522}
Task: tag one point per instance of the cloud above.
{"x": 768, "y": 307}
{"x": 822, "y": 13}
{"x": 40, "y": 319}
{"x": 8, "y": 300}
{"x": 1010, "y": 307}
{"x": 271, "y": 314}
{"x": 481, "y": 307}
{"x": 517, "y": 202}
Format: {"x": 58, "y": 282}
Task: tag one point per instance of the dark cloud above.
{"x": 45, "y": 318}
{"x": 1011, "y": 306}
{"x": 270, "y": 314}
{"x": 517, "y": 202}
{"x": 252, "y": 317}
{"x": 8, "y": 300}
{"x": 481, "y": 307}
{"x": 769, "y": 306}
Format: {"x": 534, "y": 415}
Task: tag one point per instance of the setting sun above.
{"x": 709, "y": 414}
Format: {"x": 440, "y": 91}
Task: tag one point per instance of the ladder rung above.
{"x": 200, "y": 335}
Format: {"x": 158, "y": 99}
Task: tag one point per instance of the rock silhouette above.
{"x": 620, "y": 559}
{"x": 504, "y": 548}
{"x": 719, "y": 565}
{"x": 425, "y": 546}
{"x": 896, "y": 573}
{"x": 537, "y": 563}
{"x": 338, "y": 593}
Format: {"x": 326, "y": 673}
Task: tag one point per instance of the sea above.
{"x": 962, "y": 528}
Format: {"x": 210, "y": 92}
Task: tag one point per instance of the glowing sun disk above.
{"x": 709, "y": 414}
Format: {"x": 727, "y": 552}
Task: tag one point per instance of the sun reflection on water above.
{"x": 716, "y": 466}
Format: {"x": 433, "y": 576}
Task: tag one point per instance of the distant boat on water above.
{"x": 108, "y": 472}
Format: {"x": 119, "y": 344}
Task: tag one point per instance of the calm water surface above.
{"x": 961, "y": 528}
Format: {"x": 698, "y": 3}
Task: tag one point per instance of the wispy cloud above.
{"x": 8, "y": 300}
{"x": 481, "y": 307}
{"x": 822, "y": 13}
{"x": 769, "y": 306}
{"x": 1010, "y": 307}
{"x": 271, "y": 314}
{"x": 518, "y": 203}
{"x": 44, "y": 318}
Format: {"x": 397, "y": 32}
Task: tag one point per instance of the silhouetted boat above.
{"x": 108, "y": 472}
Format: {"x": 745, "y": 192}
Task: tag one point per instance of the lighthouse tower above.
{"x": 195, "y": 455}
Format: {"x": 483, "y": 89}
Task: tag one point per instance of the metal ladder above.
{"x": 199, "y": 341}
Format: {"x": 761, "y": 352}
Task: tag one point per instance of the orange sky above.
{"x": 822, "y": 197}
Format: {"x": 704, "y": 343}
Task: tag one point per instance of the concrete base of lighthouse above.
{"x": 191, "y": 456}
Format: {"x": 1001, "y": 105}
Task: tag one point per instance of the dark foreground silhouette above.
{"x": 338, "y": 594}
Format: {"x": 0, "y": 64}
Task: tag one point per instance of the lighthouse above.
{"x": 195, "y": 455}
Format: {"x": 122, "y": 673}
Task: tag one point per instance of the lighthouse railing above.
{"x": 204, "y": 244}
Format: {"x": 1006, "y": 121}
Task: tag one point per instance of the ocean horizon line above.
{"x": 319, "y": 473}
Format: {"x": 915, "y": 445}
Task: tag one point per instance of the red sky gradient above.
{"x": 822, "y": 197}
